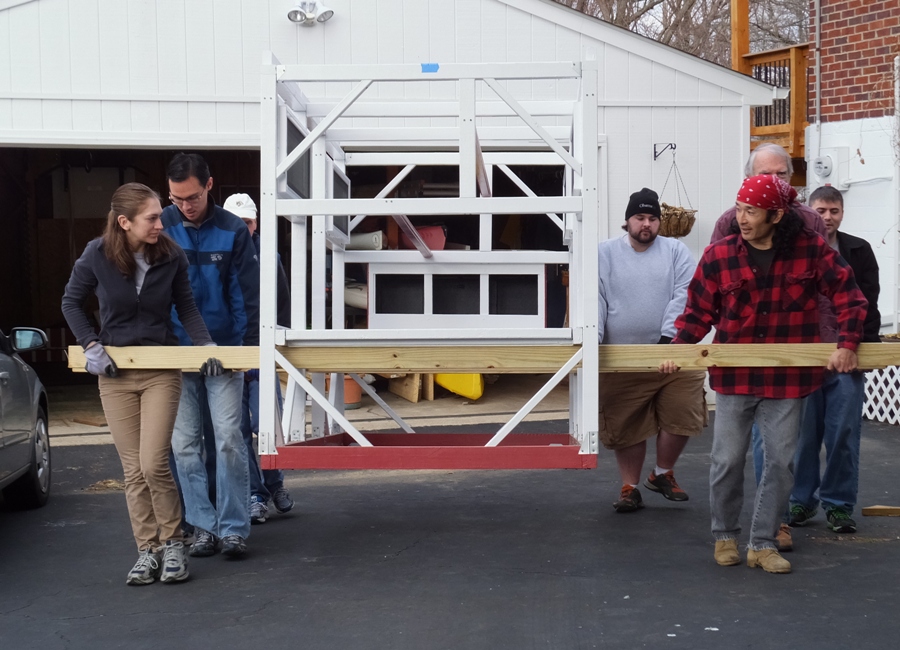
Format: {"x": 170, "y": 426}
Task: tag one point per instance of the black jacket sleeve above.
{"x": 865, "y": 267}
{"x": 284, "y": 297}
{"x": 82, "y": 283}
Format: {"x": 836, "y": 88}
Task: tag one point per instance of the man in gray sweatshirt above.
{"x": 643, "y": 289}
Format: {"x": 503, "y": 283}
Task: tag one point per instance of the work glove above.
{"x": 251, "y": 375}
{"x": 212, "y": 367}
{"x": 99, "y": 362}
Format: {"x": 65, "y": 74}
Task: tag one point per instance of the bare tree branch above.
{"x": 703, "y": 27}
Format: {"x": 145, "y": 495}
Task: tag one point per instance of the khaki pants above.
{"x": 140, "y": 407}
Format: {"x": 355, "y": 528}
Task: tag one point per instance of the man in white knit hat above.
{"x": 268, "y": 483}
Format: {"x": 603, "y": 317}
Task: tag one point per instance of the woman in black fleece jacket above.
{"x": 138, "y": 273}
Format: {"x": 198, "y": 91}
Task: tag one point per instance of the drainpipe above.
{"x": 896, "y": 148}
{"x": 818, "y": 72}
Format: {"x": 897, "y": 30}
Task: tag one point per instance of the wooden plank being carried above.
{"x": 494, "y": 359}
{"x": 881, "y": 511}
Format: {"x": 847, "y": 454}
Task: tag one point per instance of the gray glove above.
{"x": 212, "y": 367}
{"x": 99, "y": 362}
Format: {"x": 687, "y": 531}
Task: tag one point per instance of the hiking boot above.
{"x": 233, "y": 546}
{"x": 768, "y": 560}
{"x": 258, "y": 510}
{"x": 175, "y": 563}
{"x": 839, "y": 520}
{"x": 629, "y": 500}
{"x": 282, "y": 501}
{"x": 204, "y": 545}
{"x": 800, "y": 515}
{"x": 665, "y": 484}
{"x": 783, "y": 538}
{"x": 726, "y": 552}
{"x": 145, "y": 571}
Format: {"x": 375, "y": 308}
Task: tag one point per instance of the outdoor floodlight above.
{"x": 309, "y": 12}
{"x": 325, "y": 13}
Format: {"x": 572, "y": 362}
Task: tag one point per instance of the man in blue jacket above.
{"x": 224, "y": 275}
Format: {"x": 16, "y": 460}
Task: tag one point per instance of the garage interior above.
{"x": 55, "y": 201}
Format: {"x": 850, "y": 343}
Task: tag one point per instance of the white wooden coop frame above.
{"x": 300, "y": 137}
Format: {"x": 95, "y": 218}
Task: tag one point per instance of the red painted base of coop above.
{"x": 433, "y": 451}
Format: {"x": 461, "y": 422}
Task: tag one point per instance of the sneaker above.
{"x": 768, "y": 560}
{"x": 726, "y": 552}
{"x": 258, "y": 510}
{"x": 800, "y": 515}
{"x": 665, "y": 484}
{"x": 145, "y": 571}
{"x": 783, "y": 538}
{"x": 629, "y": 500}
{"x": 204, "y": 545}
{"x": 233, "y": 546}
{"x": 839, "y": 520}
{"x": 282, "y": 501}
{"x": 175, "y": 563}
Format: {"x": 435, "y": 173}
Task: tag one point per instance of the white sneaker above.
{"x": 145, "y": 571}
{"x": 175, "y": 563}
{"x": 258, "y": 510}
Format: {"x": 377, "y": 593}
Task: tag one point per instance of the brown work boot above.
{"x": 783, "y": 538}
{"x": 769, "y": 560}
{"x": 727, "y": 552}
{"x": 629, "y": 500}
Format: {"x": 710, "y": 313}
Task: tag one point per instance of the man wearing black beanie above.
{"x": 643, "y": 288}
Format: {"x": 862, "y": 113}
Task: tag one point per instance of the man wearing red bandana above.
{"x": 762, "y": 286}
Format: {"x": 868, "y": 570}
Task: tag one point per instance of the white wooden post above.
{"x": 268, "y": 256}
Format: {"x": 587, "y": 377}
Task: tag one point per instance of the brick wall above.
{"x": 860, "y": 39}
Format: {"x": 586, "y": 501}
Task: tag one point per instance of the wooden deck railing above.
{"x": 785, "y": 120}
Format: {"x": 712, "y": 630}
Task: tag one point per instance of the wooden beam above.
{"x": 381, "y": 359}
{"x": 408, "y": 387}
{"x": 740, "y": 35}
{"x": 881, "y": 511}
{"x": 495, "y": 359}
{"x": 798, "y": 102}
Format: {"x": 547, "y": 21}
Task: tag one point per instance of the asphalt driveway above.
{"x": 461, "y": 559}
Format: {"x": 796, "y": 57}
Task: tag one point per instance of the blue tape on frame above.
{"x": 430, "y": 67}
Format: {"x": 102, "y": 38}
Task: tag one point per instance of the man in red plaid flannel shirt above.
{"x": 762, "y": 286}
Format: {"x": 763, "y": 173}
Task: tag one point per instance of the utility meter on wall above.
{"x": 832, "y": 167}
{"x": 822, "y": 166}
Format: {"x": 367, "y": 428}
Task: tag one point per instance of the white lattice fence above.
{"x": 883, "y": 395}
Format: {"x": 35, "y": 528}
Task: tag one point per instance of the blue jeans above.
{"x": 263, "y": 483}
{"x": 833, "y": 415}
{"x": 209, "y": 455}
{"x": 231, "y": 514}
{"x": 779, "y": 421}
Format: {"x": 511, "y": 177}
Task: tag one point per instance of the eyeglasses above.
{"x": 193, "y": 200}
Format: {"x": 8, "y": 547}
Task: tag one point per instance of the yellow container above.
{"x": 469, "y": 385}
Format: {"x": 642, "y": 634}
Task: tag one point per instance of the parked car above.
{"x": 24, "y": 438}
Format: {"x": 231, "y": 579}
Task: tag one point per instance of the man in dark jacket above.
{"x": 833, "y": 413}
{"x": 224, "y": 275}
{"x": 265, "y": 484}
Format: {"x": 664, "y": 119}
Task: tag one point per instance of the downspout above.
{"x": 896, "y": 148}
{"x": 818, "y": 72}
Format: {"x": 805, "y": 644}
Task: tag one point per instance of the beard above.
{"x": 642, "y": 235}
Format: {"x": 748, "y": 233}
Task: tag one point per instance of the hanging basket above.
{"x": 675, "y": 221}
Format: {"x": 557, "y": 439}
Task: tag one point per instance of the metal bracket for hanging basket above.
{"x": 658, "y": 152}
